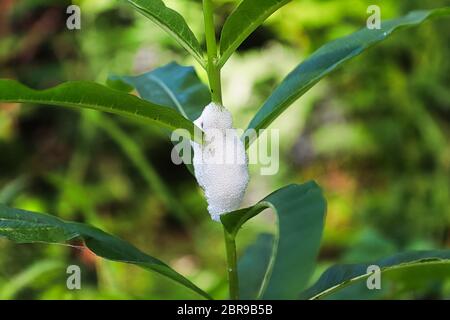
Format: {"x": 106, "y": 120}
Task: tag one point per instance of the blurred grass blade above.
{"x": 90, "y": 95}
{"x": 172, "y": 85}
{"x": 134, "y": 153}
{"x": 28, "y": 227}
{"x": 25, "y": 278}
{"x": 12, "y": 189}
{"x": 248, "y": 16}
{"x": 301, "y": 213}
{"x": 328, "y": 58}
{"x": 171, "y": 22}
{"x": 338, "y": 277}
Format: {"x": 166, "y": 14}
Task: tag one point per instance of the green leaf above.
{"x": 253, "y": 266}
{"x": 328, "y": 58}
{"x": 301, "y": 213}
{"x": 29, "y": 227}
{"x": 172, "y": 85}
{"x": 338, "y": 277}
{"x": 172, "y": 22}
{"x": 175, "y": 86}
{"x": 90, "y": 95}
{"x": 248, "y": 16}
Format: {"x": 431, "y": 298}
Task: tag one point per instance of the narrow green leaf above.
{"x": 301, "y": 213}
{"x": 172, "y": 85}
{"x": 90, "y": 95}
{"x": 339, "y": 277}
{"x": 173, "y": 23}
{"x": 328, "y": 58}
{"x": 248, "y": 16}
{"x": 29, "y": 227}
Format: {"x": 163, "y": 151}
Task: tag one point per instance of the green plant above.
{"x": 172, "y": 97}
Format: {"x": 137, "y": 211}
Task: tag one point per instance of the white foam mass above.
{"x": 220, "y": 164}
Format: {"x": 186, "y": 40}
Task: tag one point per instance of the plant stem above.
{"x": 233, "y": 281}
{"x": 212, "y": 67}
{"x": 213, "y": 71}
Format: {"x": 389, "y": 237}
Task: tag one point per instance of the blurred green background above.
{"x": 374, "y": 135}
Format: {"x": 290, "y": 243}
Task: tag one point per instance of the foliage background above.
{"x": 374, "y": 135}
